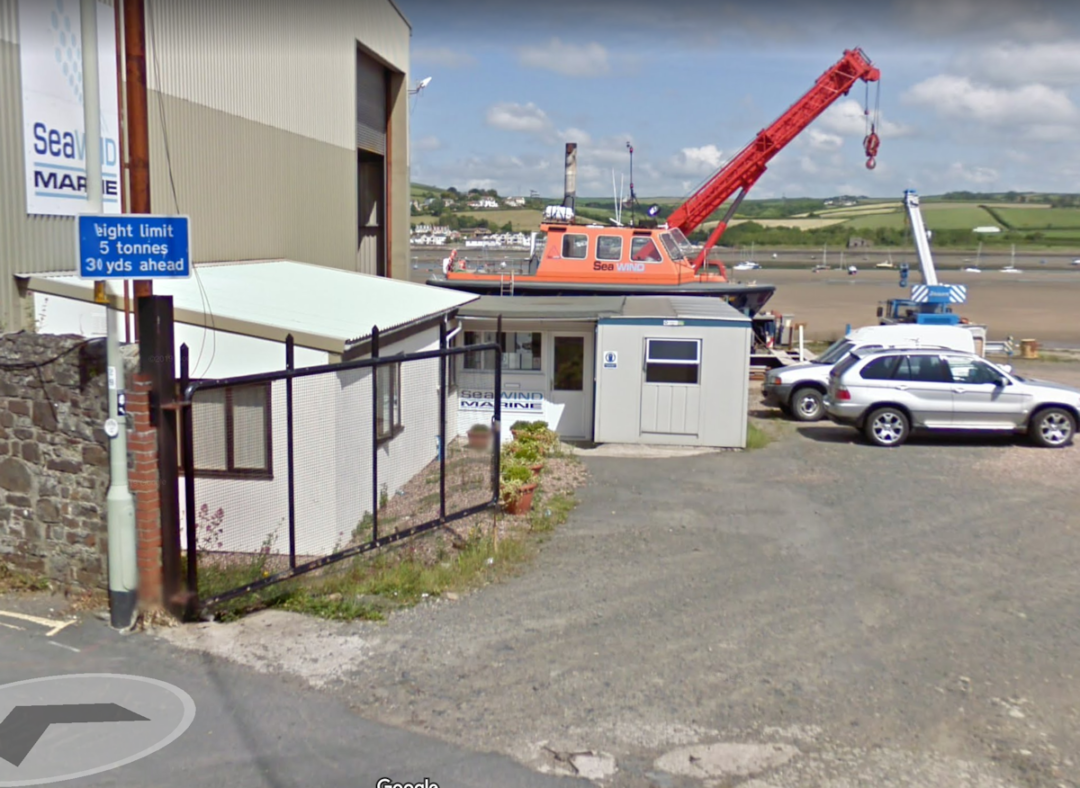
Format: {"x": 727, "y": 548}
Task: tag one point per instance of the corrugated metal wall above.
{"x": 228, "y": 56}
{"x": 260, "y": 107}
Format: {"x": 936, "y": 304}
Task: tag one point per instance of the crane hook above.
{"x": 871, "y": 144}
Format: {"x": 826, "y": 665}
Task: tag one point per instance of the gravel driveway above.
{"x": 816, "y": 613}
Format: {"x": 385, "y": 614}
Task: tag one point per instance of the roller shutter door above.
{"x": 370, "y": 104}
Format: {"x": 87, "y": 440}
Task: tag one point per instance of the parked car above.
{"x": 799, "y": 389}
{"x": 888, "y": 393}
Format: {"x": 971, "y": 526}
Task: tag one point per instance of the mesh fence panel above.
{"x": 363, "y": 460}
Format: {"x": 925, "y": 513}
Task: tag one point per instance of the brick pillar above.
{"x": 143, "y": 480}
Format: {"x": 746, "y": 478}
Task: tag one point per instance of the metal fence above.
{"x": 287, "y": 472}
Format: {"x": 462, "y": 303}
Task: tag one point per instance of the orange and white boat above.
{"x": 594, "y": 259}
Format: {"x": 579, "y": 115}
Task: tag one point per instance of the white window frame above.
{"x": 683, "y": 362}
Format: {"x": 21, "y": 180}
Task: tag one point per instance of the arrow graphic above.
{"x": 25, "y": 725}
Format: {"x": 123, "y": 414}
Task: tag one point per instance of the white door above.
{"x": 671, "y": 393}
{"x": 571, "y": 384}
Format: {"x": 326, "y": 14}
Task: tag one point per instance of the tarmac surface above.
{"x": 816, "y": 613}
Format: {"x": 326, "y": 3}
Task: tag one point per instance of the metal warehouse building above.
{"x": 281, "y": 129}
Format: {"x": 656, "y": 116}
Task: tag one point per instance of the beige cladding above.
{"x": 258, "y": 100}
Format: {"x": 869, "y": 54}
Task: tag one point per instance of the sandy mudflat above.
{"x": 1040, "y": 304}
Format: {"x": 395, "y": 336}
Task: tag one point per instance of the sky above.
{"x": 976, "y": 95}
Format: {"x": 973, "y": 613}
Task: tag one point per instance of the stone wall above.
{"x": 54, "y": 462}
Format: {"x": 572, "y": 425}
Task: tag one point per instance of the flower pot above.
{"x": 537, "y": 468}
{"x": 523, "y": 502}
{"x": 479, "y": 440}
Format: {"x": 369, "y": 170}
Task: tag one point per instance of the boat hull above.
{"x": 748, "y": 299}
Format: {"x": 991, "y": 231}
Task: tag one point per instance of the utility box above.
{"x": 673, "y": 370}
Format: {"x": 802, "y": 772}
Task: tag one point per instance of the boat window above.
{"x": 672, "y": 247}
{"x": 643, "y": 250}
{"x": 682, "y": 241}
{"x": 609, "y": 247}
{"x": 575, "y": 246}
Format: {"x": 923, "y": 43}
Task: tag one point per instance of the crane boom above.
{"x": 744, "y": 170}
{"x": 922, "y": 243}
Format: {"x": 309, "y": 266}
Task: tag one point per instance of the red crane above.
{"x": 743, "y": 170}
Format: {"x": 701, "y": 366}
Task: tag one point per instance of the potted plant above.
{"x": 479, "y": 436}
{"x": 516, "y": 488}
{"x": 526, "y": 453}
{"x": 519, "y": 428}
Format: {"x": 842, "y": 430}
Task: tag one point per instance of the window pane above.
{"x": 208, "y": 430}
{"x": 673, "y": 249}
{"x": 929, "y": 369}
{"x": 569, "y": 364}
{"x": 249, "y": 404}
{"x": 383, "y": 414}
{"x": 673, "y": 350}
{"x": 575, "y": 246}
{"x": 671, "y": 373}
{"x": 643, "y": 250}
{"x": 879, "y": 368}
{"x": 609, "y": 247}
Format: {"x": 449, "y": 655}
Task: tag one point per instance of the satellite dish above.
{"x": 653, "y": 210}
{"x": 424, "y": 83}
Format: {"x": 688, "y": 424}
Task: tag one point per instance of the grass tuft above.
{"x": 756, "y": 437}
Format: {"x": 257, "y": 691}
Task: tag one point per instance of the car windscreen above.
{"x": 836, "y": 351}
{"x": 843, "y": 366}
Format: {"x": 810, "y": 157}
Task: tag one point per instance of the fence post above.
{"x": 443, "y": 394}
{"x": 187, "y": 433}
{"x": 156, "y": 359}
{"x": 496, "y": 420}
{"x": 291, "y": 481}
{"x": 375, "y": 436}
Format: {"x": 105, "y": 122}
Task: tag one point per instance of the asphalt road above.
{"x": 249, "y": 729}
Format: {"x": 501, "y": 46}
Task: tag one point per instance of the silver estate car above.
{"x": 888, "y": 393}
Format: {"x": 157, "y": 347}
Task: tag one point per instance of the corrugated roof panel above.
{"x": 302, "y": 298}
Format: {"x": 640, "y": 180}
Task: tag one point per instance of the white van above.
{"x": 798, "y": 390}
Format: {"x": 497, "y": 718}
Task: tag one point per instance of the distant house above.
{"x": 484, "y": 202}
{"x": 514, "y": 202}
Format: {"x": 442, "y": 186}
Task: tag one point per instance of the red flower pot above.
{"x": 523, "y": 503}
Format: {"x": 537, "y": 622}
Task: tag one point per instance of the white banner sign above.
{"x": 50, "y": 47}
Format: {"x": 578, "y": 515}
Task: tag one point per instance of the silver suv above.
{"x": 887, "y": 393}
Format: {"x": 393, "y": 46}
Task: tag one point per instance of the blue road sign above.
{"x": 134, "y": 246}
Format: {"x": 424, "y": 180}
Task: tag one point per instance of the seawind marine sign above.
{"x": 516, "y": 401}
{"x": 135, "y": 246}
{"x": 54, "y": 137}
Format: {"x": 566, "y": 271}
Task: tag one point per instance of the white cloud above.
{"x": 1010, "y": 63}
{"x": 430, "y": 142}
{"x": 1037, "y": 111}
{"x": 580, "y": 136}
{"x": 980, "y": 176}
{"x": 573, "y": 60}
{"x": 702, "y": 162}
{"x": 447, "y": 57}
{"x": 847, "y": 118}
{"x": 510, "y": 116}
{"x": 823, "y": 140}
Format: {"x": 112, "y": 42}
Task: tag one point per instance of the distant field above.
{"x": 801, "y": 224}
{"x": 959, "y": 216}
{"x": 1051, "y": 218}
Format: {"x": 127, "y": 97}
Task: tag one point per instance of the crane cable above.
{"x": 871, "y": 143}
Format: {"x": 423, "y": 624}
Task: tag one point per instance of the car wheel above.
{"x": 887, "y": 427}
{"x": 1052, "y": 428}
{"x": 807, "y": 404}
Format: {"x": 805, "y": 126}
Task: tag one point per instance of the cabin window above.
{"x": 575, "y": 247}
{"x": 609, "y": 247}
{"x": 672, "y": 247}
{"x": 521, "y": 350}
{"x": 643, "y": 250}
{"x": 672, "y": 361}
{"x": 388, "y": 401}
